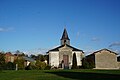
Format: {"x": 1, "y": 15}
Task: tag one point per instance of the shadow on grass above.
{"x": 86, "y": 75}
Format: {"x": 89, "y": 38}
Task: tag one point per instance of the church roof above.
{"x": 65, "y": 35}
{"x": 57, "y": 48}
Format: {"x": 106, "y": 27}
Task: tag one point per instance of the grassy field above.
{"x": 60, "y": 75}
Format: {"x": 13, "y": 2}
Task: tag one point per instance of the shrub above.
{"x": 88, "y": 63}
{"x": 40, "y": 65}
{"x": 47, "y": 67}
{"x": 10, "y": 66}
{"x": 74, "y": 62}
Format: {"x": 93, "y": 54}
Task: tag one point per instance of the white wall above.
{"x": 79, "y": 56}
{"x": 54, "y": 59}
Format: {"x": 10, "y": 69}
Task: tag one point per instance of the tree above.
{"x": 20, "y": 62}
{"x": 18, "y": 53}
{"x": 46, "y": 57}
{"x": 74, "y": 62}
{"x": 40, "y": 65}
{"x": 2, "y": 60}
{"x": 40, "y": 57}
{"x": 33, "y": 56}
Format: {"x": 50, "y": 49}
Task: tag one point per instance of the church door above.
{"x": 66, "y": 61}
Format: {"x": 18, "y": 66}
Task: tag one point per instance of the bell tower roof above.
{"x": 65, "y": 39}
{"x": 65, "y": 35}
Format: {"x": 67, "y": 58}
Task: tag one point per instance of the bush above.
{"x": 88, "y": 64}
{"x": 10, "y": 66}
{"x": 33, "y": 67}
{"x": 40, "y": 65}
{"x": 47, "y": 67}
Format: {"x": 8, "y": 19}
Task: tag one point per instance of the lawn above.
{"x": 60, "y": 75}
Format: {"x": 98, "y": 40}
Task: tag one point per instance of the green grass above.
{"x": 60, "y": 75}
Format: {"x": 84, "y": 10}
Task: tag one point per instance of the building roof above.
{"x": 29, "y": 59}
{"x": 57, "y": 48}
{"x": 65, "y": 35}
{"x": 102, "y": 50}
{"x": 105, "y": 50}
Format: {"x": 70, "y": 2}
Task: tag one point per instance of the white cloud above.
{"x": 78, "y": 34}
{"x": 114, "y": 44}
{"x": 2, "y": 30}
{"x": 5, "y": 29}
{"x": 95, "y": 39}
{"x": 117, "y": 51}
{"x": 36, "y": 51}
{"x": 55, "y": 46}
{"x": 88, "y": 52}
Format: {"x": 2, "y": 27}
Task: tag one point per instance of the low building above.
{"x": 103, "y": 59}
{"x": 9, "y": 57}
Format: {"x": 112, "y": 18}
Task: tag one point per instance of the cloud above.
{"x": 55, "y": 46}
{"x": 5, "y": 29}
{"x": 78, "y": 34}
{"x": 88, "y": 52}
{"x": 117, "y": 51}
{"x": 114, "y": 44}
{"x": 2, "y": 30}
{"x": 36, "y": 51}
{"x": 95, "y": 39}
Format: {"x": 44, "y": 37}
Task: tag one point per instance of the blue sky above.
{"x": 32, "y": 24}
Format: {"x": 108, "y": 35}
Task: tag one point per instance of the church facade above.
{"x": 62, "y": 56}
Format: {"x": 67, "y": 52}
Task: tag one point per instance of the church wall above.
{"x": 65, "y": 51}
{"x": 69, "y": 53}
{"x": 79, "y": 56}
{"x": 54, "y": 59}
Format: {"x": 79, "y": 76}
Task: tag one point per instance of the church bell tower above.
{"x": 65, "y": 39}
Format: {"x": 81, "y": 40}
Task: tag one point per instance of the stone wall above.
{"x": 105, "y": 60}
{"x": 119, "y": 65}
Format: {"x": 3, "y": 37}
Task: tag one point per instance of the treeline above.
{"x": 19, "y": 62}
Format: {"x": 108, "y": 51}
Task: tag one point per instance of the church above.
{"x": 62, "y": 56}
